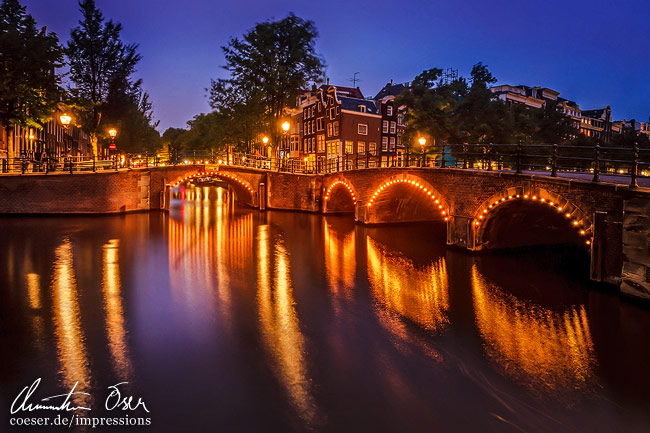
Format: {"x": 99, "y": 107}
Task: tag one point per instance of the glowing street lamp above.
{"x": 286, "y": 126}
{"x": 65, "y": 120}
{"x": 423, "y": 142}
{"x": 265, "y": 140}
{"x": 112, "y": 133}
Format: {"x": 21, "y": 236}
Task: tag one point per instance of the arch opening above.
{"x": 517, "y": 219}
{"x": 406, "y": 199}
{"x": 239, "y": 189}
{"x": 340, "y": 198}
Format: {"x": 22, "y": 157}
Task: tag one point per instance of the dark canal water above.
{"x": 229, "y": 320}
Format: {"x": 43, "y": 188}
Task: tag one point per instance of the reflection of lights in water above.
{"x": 543, "y": 349}
{"x": 209, "y": 247}
{"x": 418, "y": 294}
{"x": 340, "y": 260}
{"x": 67, "y": 326}
{"x": 34, "y": 299}
{"x": 34, "y": 291}
{"x": 115, "y": 327}
{"x": 280, "y": 327}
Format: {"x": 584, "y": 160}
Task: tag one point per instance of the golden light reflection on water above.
{"x": 340, "y": 261}
{"x": 209, "y": 249}
{"x": 280, "y": 327}
{"x": 543, "y": 349}
{"x": 34, "y": 290}
{"x": 419, "y": 294}
{"x": 71, "y": 348}
{"x": 35, "y": 303}
{"x": 115, "y": 326}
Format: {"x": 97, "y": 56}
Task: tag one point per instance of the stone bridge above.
{"x": 480, "y": 210}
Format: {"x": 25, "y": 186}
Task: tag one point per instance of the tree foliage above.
{"x": 268, "y": 66}
{"x": 101, "y": 69}
{"x": 29, "y": 87}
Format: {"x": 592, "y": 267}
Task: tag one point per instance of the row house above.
{"x": 337, "y": 125}
{"x": 51, "y": 141}
{"x": 638, "y": 127}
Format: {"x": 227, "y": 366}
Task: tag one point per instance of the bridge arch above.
{"x": 243, "y": 189}
{"x": 549, "y": 205}
{"x": 407, "y": 198}
{"x": 340, "y": 196}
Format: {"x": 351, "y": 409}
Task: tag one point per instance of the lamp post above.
{"x": 113, "y": 133}
{"x": 423, "y": 142}
{"x": 65, "y": 122}
{"x": 285, "y": 129}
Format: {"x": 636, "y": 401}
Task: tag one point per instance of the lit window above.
{"x": 361, "y": 147}
{"x": 372, "y": 148}
{"x": 348, "y": 146}
{"x": 321, "y": 143}
{"x": 335, "y": 132}
{"x": 384, "y": 144}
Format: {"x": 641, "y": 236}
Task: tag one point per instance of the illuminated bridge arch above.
{"x": 557, "y": 211}
{"x": 340, "y": 196}
{"x": 243, "y": 189}
{"x": 403, "y": 198}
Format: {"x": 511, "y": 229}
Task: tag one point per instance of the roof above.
{"x": 391, "y": 90}
{"x": 596, "y": 114}
{"x": 569, "y": 102}
{"x": 353, "y": 104}
{"x": 353, "y": 92}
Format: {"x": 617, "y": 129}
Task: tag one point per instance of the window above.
{"x": 392, "y": 143}
{"x": 320, "y": 106}
{"x": 399, "y": 139}
{"x": 321, "y": 143}
{"x": 335, "y": 131}
{"x": 389, "y": 110}
{"x": 372, "y": 148}
{"x": 384, "y": 126}
{"x": 338, "y": 110}
{"x": 333, "y": 147}
{"x": 320, "y": 123}
{"x": 362, "y": 129}
{"x": 313, "y": 126}
{"x": 362, "y": 108}
{"x": 392, "y": 127}
{"x": 400, "y": 119}
{"x": 361, "y": 147}
{"x": 329, "y": 129}
{"x": 384, "y": 144}
{"x": 332, "y": 113}
{"x": 305, "y": 144}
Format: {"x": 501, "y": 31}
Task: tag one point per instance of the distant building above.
{"x": 591, "y": 123}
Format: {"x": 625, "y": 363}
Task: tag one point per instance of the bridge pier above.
{"x": 461, "y": 232}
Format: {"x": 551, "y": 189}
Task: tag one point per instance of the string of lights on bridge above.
{"x": 416, "y": 184}
{"x": 575, "y": 222}
{"x": 214, "y": 173}
{"x": 340, "y": 182}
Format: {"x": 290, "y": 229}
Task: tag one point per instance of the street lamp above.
{"x": 113, "y": 133}
{"x": 65, "y": 122}
{"x": 423, "y": 142}
{"x": 286, "y": 126}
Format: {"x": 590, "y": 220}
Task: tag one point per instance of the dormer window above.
{"x": 362, "y": 108}
{"x": 389, "y": 110}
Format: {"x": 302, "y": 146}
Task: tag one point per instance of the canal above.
{"x": 222, "y": 318}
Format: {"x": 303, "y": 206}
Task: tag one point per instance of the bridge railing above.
{"x": 552, "y": 160}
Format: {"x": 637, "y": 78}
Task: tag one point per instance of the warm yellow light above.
{"x": 265, "y": 139}
{"x": 286, "y": 126}
{"x": 65, "y": 120}
{"x": 422, "y": 141}
{"x": 112, "y": 132}
{"x": 31, "y": 135}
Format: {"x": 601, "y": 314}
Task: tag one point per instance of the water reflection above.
{"x": 210, "y": 248}
{"x": 115, "y": 326}
{"x": 73, "y": 357}
{"x": 340, "y": 260}
{"x": 420, "y": 295}
{"x": 542, "y": 349}
{"x": 279, "y": 324}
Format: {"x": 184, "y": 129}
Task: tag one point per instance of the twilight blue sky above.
{"x": 595, "y": 52}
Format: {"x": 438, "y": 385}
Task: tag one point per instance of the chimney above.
{"x": 328, "y": 81}
{"x": 391, "y": 81}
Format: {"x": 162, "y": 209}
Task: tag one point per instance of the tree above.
{"x": 268, "y": 67}
{"x": 99, "y": 63}
{"x": 29, "y": 86}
